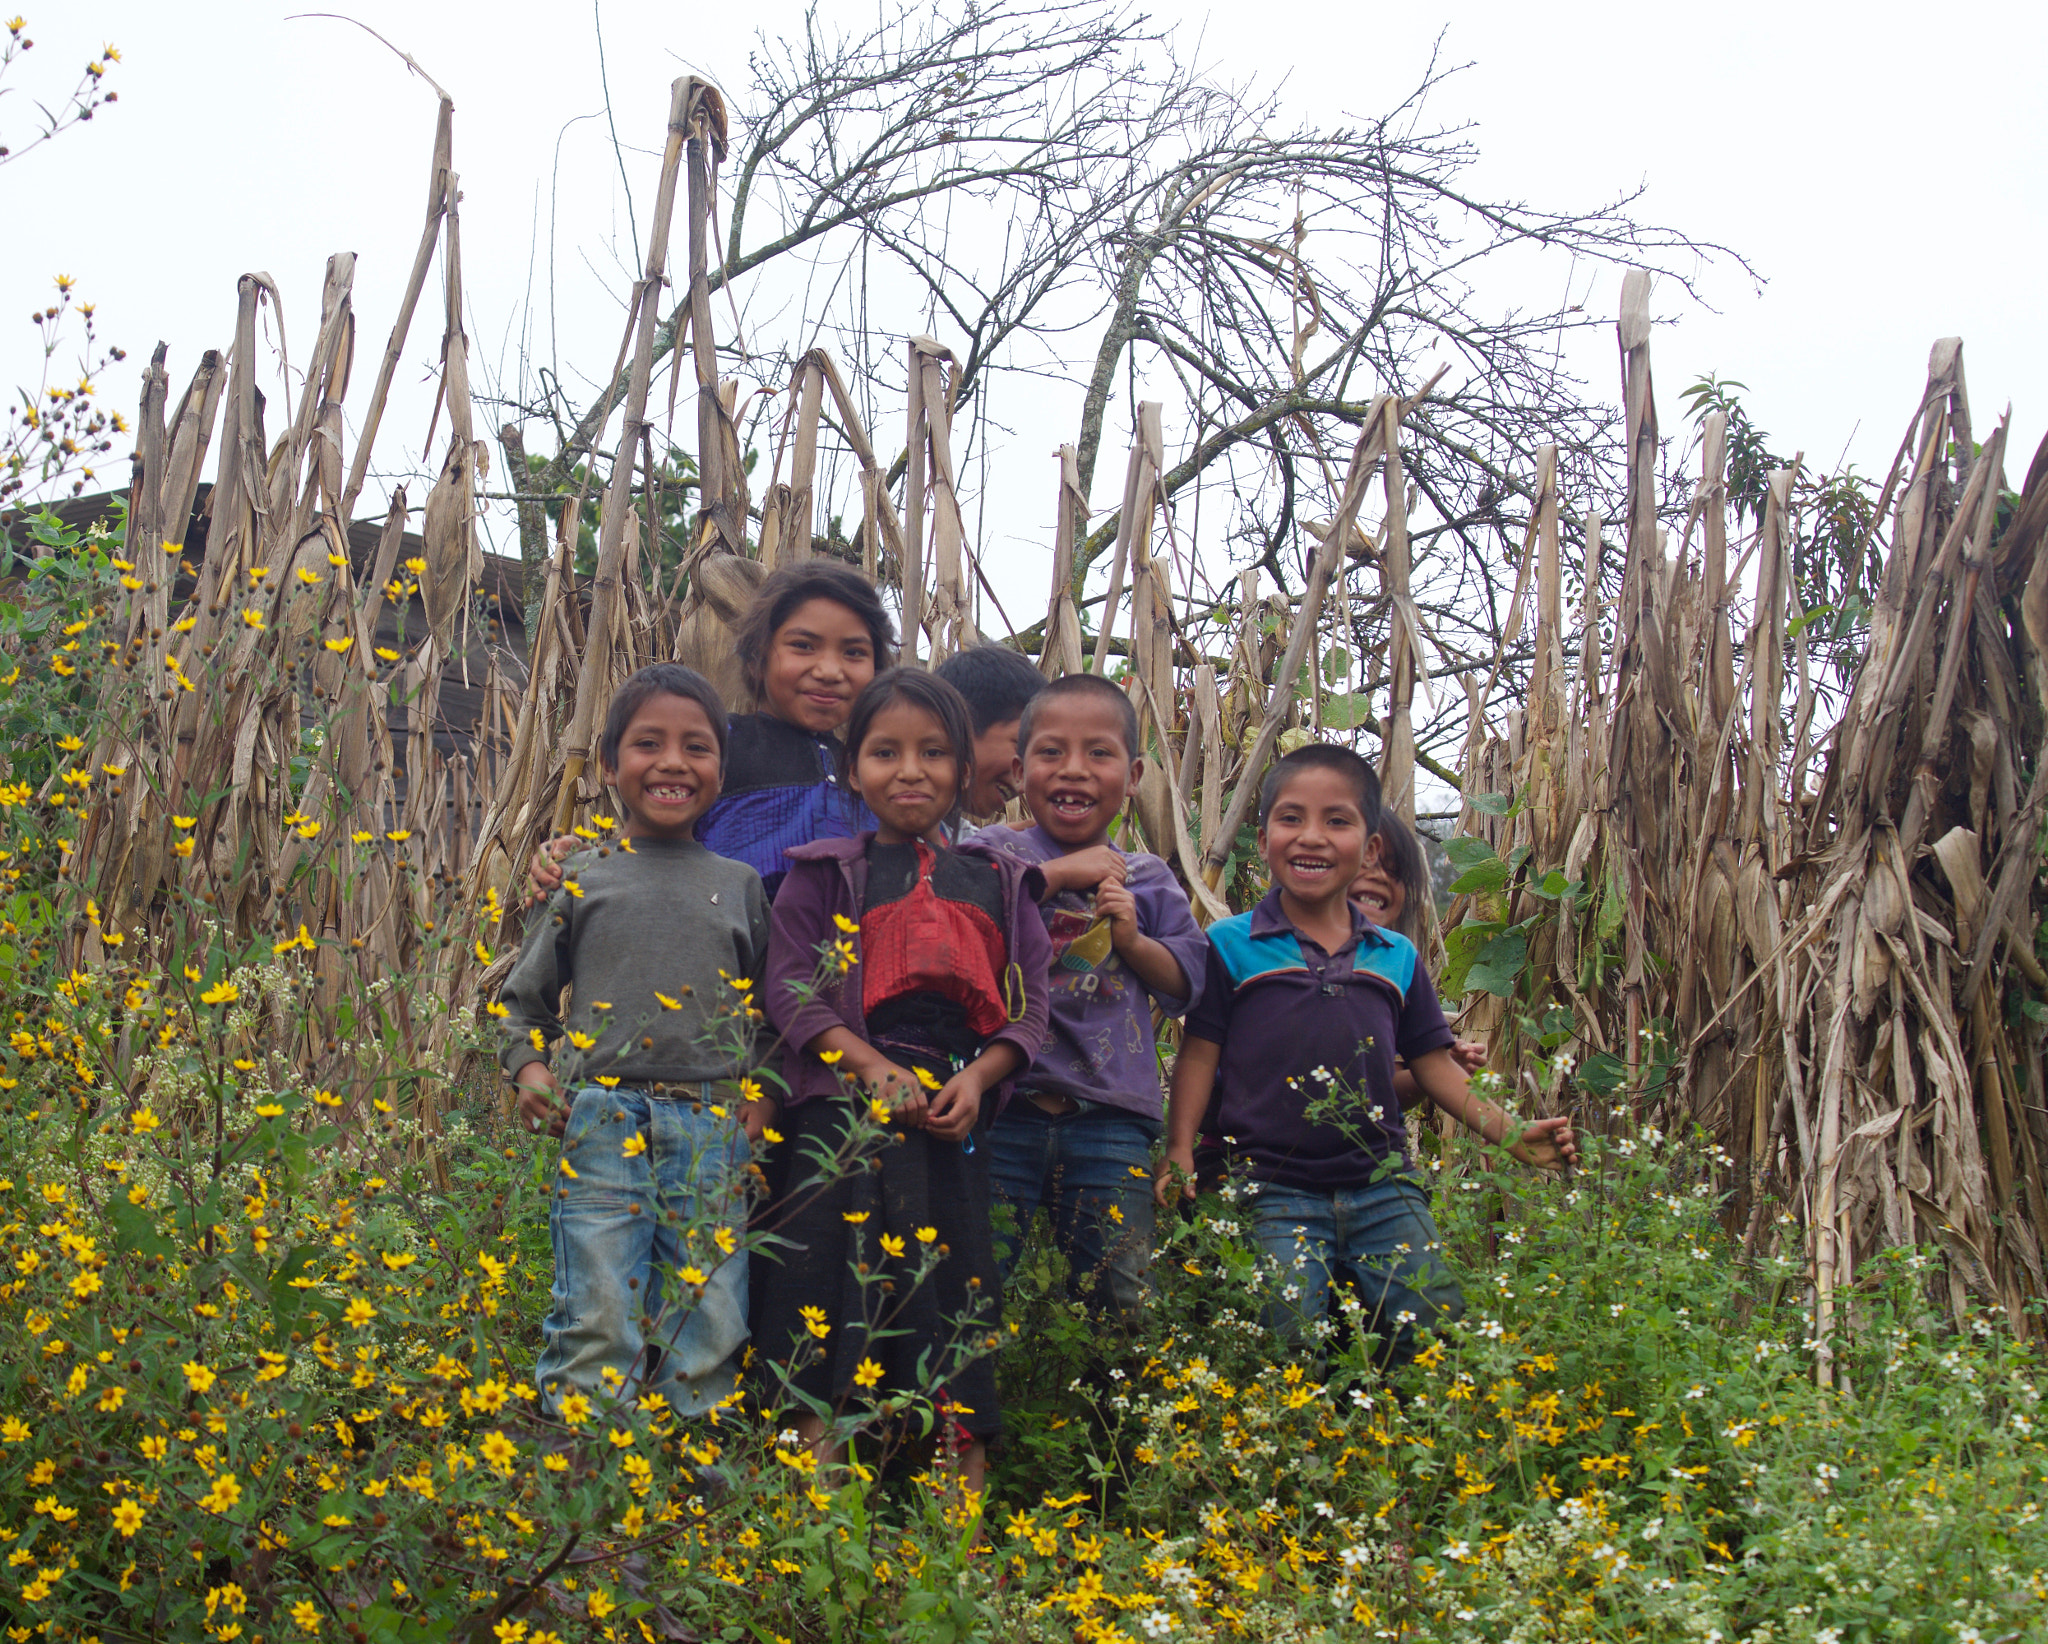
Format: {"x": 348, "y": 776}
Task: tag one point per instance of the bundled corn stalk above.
{"x": 1832, "y": 980}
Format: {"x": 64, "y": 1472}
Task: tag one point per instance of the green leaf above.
{"x": 1602, "y": 1073}
{"x": 1498, "y": 966}
{"x": 1478, "y": 868}
{"x": 1489, "y": 804}
{"x": 1461, "y": 947}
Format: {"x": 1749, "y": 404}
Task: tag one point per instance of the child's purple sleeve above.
{"x": 1164, "y": 915}
{"x": 1422, "y": 1027}
{"x": 798, "y": 925}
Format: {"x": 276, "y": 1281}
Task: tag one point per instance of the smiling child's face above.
{"x": 1077, "y": 769}
{"x": 996, "y": 772}
{"x": 1314, "y": 839}
{"x": 669, "y": 769}
{"x": 818, "y": 660}
{"x": 1377, "y": 894}
{"x": 906, "y": 772}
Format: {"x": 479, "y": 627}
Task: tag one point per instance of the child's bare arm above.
{"x": 1151, "y": 961}
{"x": 1545, "y": 1143}
{"x": 1194, "y": 1080}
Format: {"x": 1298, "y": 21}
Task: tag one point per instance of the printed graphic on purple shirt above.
{"x": 1101, "y": 1047}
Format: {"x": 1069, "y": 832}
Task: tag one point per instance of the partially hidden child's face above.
{"x": 907, "y": 772}
{"x": 1377, "y": 893}
{"x": 1077, "y": 770}
{"x": 668, "y": 770}
{"x": 818, "y": 660}
{"x": 1314, "y": 841}
{"x": 996, "y": 781}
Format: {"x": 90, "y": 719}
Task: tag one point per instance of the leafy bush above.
{"x": 265, "y": 1341}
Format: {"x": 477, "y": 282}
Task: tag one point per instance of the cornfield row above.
{"x": 1818, "y": 943}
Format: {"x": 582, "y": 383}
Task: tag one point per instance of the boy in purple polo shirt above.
{"x": 1306, "y": 998}
{"x": 1078, "y": 1134}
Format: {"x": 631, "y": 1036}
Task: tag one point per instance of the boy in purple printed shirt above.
{"x": 1077, "y": 1136}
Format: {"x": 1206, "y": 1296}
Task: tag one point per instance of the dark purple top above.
{"x": 828, "y": 878}
{"x": 1101, "y": 1047}
{"x": 1296, "y": 1023}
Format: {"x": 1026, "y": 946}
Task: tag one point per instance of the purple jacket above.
{"x": 829, "y": 877}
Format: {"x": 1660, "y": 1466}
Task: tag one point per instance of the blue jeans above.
{"x": 624, "y": 1227}
{"x": 1092, "y": 1170}
{"x": 1379, "y": 1239}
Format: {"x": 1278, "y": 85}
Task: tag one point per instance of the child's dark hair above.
{"x": 1084, "y": 685}
{"x": 1402, "y": 861}
{"x": 997, "y": 682}
{"x": 1324, "y": 756}
{"x": 935, "y": 697}
{"x": 658, "y": 679}
{"x": 792, "y": 586}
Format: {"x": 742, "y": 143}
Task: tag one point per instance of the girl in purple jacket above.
{"x": 932, "y": 998}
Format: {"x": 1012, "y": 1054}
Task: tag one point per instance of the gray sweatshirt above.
{"x": 633, "y": 929}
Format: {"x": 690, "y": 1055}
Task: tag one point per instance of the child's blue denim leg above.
{"x": 1297, "y": 1230}
{"x": 1102, "y": 1206}
{"x": 696, "y": 1337}
{"x": 616, "y": 1223}
{"x": 1019, "y": 1145}
{"x": 1093, "y": 1171}
{"x": 1388, "y": 1245}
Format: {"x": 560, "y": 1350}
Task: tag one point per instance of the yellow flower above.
{"x": 398, "y": 836}
{"x": 924, "y": 1078}
{"x": 221, "y": 993}
{"x": 666, "y": 1002}
{"x": 254, "y": 619}
{"x": 854, "y": 1216}
{"x": 814, "y": 1321}
{"x": 306, "y": 1616}
{"x": 582, "y": 1041}
{"x": 386, "y": 654}
{"x": 15, "y": 1431}
{"x": 725, "y": 1241}
{"x": 499, "y": 1452}
{"x": 636, "y": 1144}
{"x": 575, "y": 1409}
{"x": 483, "y": 954}
{"x": 268, "y": 1110}
{"x": 892, "y": 1243}
{"x": 868, "y": 1374}
{"x": 925, "y": 1235}
{"x": 830, "y": 1057}
{"x": 144, "y": 1121}
{"x": 849, "y": 926}
{"x": 878, "y": 1110}
{"x": 337, "y": 646}
{"x": 309, "y": 576}
{"x": 620, "y": 1439}
{"x": 358, "y": 1313}
{"x": 197, "y": 1376}
{"x": 398, "y": 1260}
{"x": 127, "y": 1517}
{"x": 693, "y": 1275}
{"x": 224, "y": 1494}
{"x": 771, "y": 1135}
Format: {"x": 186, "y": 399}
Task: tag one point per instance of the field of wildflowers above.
{"x": 266, "y": 1338}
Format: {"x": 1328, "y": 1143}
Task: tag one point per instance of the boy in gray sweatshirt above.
{"x": 660, "y": 942}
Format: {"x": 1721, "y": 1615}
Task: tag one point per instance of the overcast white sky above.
{"x": 1884, "y": 170}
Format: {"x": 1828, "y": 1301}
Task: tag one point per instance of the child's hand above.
{"x": 1178, "y": 1166}
{"x": 956, "y": 1107}
{"x": 1548, "y": 1144}
{"x": 1469, "y": 1054}
{"x": 544, "y": 872}
{"x": 540, "y": 1100}
{"x": 899, "y": 1090}
{"x": 1099, "y": 866}
{"x": 756, "y": 1116}
{"x": 1114, "y": 902}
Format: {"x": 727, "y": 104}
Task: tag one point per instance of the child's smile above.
{"x": 906, "y": 772}
{"x": 818, "y": 660}
{"x": 1314, "y": 840}
{"x": 668, "y": 772}
{"x": 1077, "y": 770}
